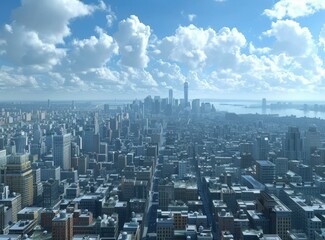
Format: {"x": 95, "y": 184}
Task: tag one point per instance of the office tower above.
{"x": 306, "y": 172}
{"x": 265, "y": 171}
{"x": 37, "y": 185}
{"x": 3, "y": 157}
{"x": 106, "y": 108}
{"x": 281, "y": 166}
{"x": 312, "y": 142}
{"x": 19, "y": 177}
{"x": 261, "y": 147}
{"x": 96, "y": 123}
{"x": 62, "y": 226}
{"x": 263, "y": 105}
{"x": 20, "y": 142}
{"x": 182, "y": 169}
{"x": 293, "y": 144}
{"x": 196, "y": 105}
{"x": 170, "y": 97}
{"x": 157, "y": 105}
{"x": 186, "y": 103}
{"x": 50, "y": 193}
{"x": 2, "y": 143}
{"x": 166, "y": 193}
{"x": 37, "y": 134}
{"x": 62, "y": 151}
{"x": 91, "y": 141}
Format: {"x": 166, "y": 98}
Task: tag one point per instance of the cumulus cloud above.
{"x": 37, "y": 28}
{"x": 26, "y": 48}
{"x": 132, "y": 38}
{"x": 93, "y": 52}
{"x": 168, "y": 74}
{"x": 50, "y": 19}
{"x": 196, "y": 47}
{"x": 291, "y": 38}
{"x": 294, "y": 8}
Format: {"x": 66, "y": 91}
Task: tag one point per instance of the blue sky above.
{"x": 126, "y": 49}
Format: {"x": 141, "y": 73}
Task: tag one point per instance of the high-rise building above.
{"x": 3, "y": 157}
{"x": 62, "y": 151}
{"x": 196, "y": 106}
{"x": 91, "y": 141}
{"x": 281, "y": 166}
{"x": 19, "y": 177}
{"x": 312, "y": 142}
{"x": 20, "y": 142}
{"x": 182, "y": 169}
{"x": 293, "y": 144}
{"x": 170, "y": 97}
{"x": 261, "y": 148}
{"x": 263, "y": 105}
{"x": 265, "y": 171}
{"x": 166, "y": 193}
{"x": 186, "y": 103}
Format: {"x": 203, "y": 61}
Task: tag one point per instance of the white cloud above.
{"x": 110, "y": 17}
{"x": 140, "y": 77}
{"x": 294, "y": 8}
{"x": 258, "y": 51}
{"x": 168, "y": 74}
{"x": 322, "y": 37}
{"x": 25, "y": 48}
{"x": 38, "y": 27}
{"x": 132, "y": 38}
{"x": 10, "y": 79}
{"x": 50, "y": 19}
{"x": 191, "y": 17}
{"x": 291, "y": 38}
{"x": 93, "y": 52}
{"x": 197, "y": 47}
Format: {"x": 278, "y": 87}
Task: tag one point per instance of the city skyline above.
{"x": 98, "y": 50}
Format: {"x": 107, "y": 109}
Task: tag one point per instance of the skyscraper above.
{"x": 62, "y": 151}
{"x": 170, "y": 98}
{"x": 312, "y": 142}
{"x": 19, "y": 177}
{"x": 186, "y": 103}
{"x": 293, "y": 144}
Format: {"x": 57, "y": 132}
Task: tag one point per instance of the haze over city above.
{"x": 122, "y": 49}
{"x": 162, "y": 120}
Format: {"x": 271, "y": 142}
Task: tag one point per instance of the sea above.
{"x": 310, "y": 109}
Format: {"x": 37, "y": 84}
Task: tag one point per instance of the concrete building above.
{"x": 265, "y": 171}
{"x": 19, "y": 178}
{"x": 165, "y": 229}
{"x": 62, "y": 151}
